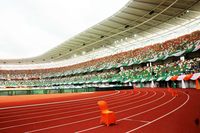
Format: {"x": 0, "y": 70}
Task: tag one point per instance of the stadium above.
{"x": 137, "y": 70}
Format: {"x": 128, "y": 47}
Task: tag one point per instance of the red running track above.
{"x": 141, "y": 111}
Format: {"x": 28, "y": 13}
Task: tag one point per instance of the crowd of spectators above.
{"x": 131, "y": 74}
{"x": 81, "y": 72}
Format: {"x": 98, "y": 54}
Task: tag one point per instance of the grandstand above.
{"x": 144, "y": 60}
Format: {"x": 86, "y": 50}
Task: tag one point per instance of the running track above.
{"x": 139, "y": 111}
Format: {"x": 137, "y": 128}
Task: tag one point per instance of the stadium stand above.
{"x": 155, "y": 63}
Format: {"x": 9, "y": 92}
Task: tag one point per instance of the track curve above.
{"x": 135, "y": 110}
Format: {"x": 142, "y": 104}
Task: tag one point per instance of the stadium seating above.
{"x": 122, "y": 68}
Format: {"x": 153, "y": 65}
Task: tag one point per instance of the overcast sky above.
{"x": 31, "y": 27}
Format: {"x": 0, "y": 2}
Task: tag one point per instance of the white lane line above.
{"x": 128, "y": 116}
{"x": 188, "y": 97}
{"x": 61, "y": 125}
{"x": 42, "y": 104}
{"x": 55, "y": 107}
{"x": 51, "y": 107}
{"x": 39, "y": 110}
{"x": 27, "y": 118}
{"x": 51, "y": 110}
{"x": 60, "y": 118}
{"x": 136, "y": 120}
{"x": 68, "y": 117}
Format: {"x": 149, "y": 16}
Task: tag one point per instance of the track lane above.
{"x": 97, "y": 111}
{"x": 137, "y": 120}
{"x": 88, "y": 120}
{"x": 68, "y": 113}
{"x": 163, "y": 114}
{"x": 9, "y": 102}
{"x": 125, "y": 113}
{"x": 72, "y": 125}
{"x": 42, "y": 104}
{"x": 47, "y": 108}
{"x": 67, "y": 109}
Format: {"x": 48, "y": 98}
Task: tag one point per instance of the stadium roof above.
{"x": 137, "y": 19}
